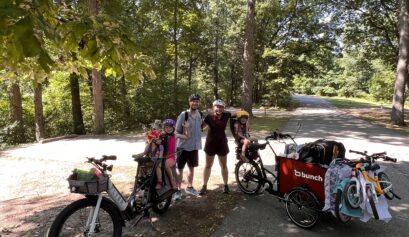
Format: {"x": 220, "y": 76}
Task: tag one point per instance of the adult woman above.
{"x": 216, "y": 143}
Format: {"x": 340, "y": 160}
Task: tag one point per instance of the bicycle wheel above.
{"x": 72, "y": 221}
{"x": 162, "y": 207}
{"x": 246, "y": 173}
{"x": 351, "y": 196}
{"x": 302, "y": 208}
{"x": 385, "y": 182}
{"x": 372, "y": 202}
{"x": 338, "y": 205}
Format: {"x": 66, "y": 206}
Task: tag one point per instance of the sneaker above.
{"x": 177, "y": 196}
{"x": 191, "y": 191}
{"x": 226, "y": 189}
{"x": 203, "y": 191}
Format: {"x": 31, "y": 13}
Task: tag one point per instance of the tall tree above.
{"x": 248, "y": 57}
{"x": 38, "y": 111}
{"x": 16, "y": 111}
{"x": 397, "y": 114}
{"x": 98, "y": 110}
{"x": 78, "y": 122}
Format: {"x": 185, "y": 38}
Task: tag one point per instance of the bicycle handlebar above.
{"x": 375, "y": 156}
{"x": 100, "y": 162}
{"x": 276, "y": 136}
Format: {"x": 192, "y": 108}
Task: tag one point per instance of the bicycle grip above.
{"x": 391, "y": 159}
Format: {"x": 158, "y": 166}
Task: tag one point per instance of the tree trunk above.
{"x": 16, "y": 112}
{"x": 248, "y": 57}
{"x": 397, "y": 114}
{"x": 98, "y": 110}
{"x": 175, "y": 42}
{"x": 232, "y": 85}
{"x": 78, "y": 122}
{"x": 125, "y": 105}
{"x": 216, "y": 68}
{"x": 38, "y": 111}
{"x": 190, "y": 70}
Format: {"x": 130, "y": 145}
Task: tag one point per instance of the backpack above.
{"x": 321, "y": 151}
{"x": 187, "y": 117}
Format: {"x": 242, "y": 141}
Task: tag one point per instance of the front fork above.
{"x": 93, "y": 215}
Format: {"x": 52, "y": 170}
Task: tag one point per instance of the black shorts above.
{"x": 219, "y": 148}
{"x": 189, "y": 157}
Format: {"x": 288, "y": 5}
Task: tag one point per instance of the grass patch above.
{"x": 355, "y": 103}
{"x": 267, "y": 124}
{"x": 375, "y": 112}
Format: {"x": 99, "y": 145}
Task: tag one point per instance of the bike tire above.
{"x": 244, "y": 172}
{"x": 372, "y": 203}
{"x": 351, "y": 200}
{"x": 383, "y": 177}
{"x": 302, "y": 208}
{"x": 161, "y": 207}
{"x": 338, "y": 205}
{"x": 72, "y": 219}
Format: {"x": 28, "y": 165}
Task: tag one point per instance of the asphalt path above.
{"x": 264, "y": 215}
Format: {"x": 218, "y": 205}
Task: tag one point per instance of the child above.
{"x": 241, "y": 131}
{"x": 169, "y": 132}
{"x": 154, "y": 150}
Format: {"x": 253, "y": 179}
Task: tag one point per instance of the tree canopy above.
{"x": 152, "y": 54}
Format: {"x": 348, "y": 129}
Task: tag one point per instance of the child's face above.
{"x": 243, "y": 119}
{"x": 168, "y": 129}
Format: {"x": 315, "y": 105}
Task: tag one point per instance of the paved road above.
{"x": 264, "y": 215}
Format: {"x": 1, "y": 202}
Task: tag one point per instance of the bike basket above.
{"x": 88, "y": 187}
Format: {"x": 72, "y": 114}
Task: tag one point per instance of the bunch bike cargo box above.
{"x": 294, "y": 173}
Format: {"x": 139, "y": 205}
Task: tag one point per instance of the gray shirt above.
{"x": 194, "y": 142}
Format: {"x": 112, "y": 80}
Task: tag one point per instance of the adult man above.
{"x": 188, "y": 148}
{"x": 216, "y": 143}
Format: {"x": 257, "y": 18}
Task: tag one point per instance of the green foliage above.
{"x": 382, "y": 81}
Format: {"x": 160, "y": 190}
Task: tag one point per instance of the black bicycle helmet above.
{"x": 194, "y": 97}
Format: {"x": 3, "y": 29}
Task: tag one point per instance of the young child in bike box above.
{"x": 154, "y": 150}
{"x": 241, "y": 132}
{"x": 170, "y": 139}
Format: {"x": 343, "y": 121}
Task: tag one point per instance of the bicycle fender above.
{"x": 341, "y": 185}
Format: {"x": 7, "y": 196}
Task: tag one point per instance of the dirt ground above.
{"x": 38, "y": 191}
{"x": 192, "y": 216}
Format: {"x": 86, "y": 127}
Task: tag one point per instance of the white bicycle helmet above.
{"x": 219, "y": 102}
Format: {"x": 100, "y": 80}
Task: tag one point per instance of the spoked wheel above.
{"x": 302, "y": 207}
{"x": 72, "y": 221}
{"x": 352, "y": 198}
{"x": 338, "y": 205}
{"x": 385, "y": 182}
{"x": 372, "y": 202}
{"x": 246, "y": 173}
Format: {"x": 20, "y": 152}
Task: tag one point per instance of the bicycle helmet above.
{"x": 169, "y": 122}
{"x": 242, "y": 114}
{"x": 153, "y": 135}
{"x": 194, "y": 97}
{"x": 219, "y": 102}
